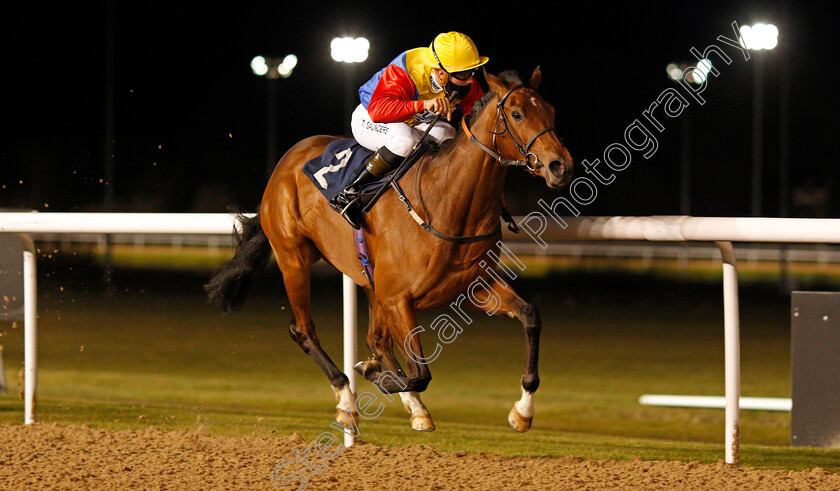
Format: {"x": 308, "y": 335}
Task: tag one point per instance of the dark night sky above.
{"x": 190, "y": 117}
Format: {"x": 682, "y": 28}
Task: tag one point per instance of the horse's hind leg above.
{"x": 302, "y": 330}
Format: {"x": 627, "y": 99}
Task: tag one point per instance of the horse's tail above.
{"x": 229, "y": 286}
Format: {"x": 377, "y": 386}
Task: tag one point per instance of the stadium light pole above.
{"x": 349, "y": 51}
{"x": 697, "y": 75}
{"x": 272, "y": 69}
{"x": 758, "y": 37}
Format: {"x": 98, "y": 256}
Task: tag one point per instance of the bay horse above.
{"x": 460, "y": 188}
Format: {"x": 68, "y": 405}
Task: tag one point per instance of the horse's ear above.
{"x": 495, "y": 83}
{"x": 536, "y": 78}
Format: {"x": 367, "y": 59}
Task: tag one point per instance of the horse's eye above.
{"x": 516, "y": 115}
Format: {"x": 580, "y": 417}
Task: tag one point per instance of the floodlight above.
{"x": 349, "y": 50}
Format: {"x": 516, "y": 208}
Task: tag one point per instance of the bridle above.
{"x": 530, "y": 159}
{"x": 529, "y": 163}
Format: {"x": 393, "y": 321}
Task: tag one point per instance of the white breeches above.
{"x": 399, "y": 138}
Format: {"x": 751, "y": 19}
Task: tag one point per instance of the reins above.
{"x": 529, "y": 163}
{"x": 427, "y": 226}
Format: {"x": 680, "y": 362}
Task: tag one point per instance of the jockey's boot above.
{"x": 347, "y": 201}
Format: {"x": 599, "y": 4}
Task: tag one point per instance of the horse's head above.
{"x": 524, "y": 129}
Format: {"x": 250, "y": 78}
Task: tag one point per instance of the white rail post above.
{"x": 349, "y": 288}
{"x": 30, "y": 329}
{"x": 732, "y": 352}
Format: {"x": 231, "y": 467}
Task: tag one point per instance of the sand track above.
{"x": 50, "y": 456}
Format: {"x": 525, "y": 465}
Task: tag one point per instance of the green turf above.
{"x": 154, "y": 353}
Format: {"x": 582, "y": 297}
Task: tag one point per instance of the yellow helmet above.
{"x": 454, "y": 52}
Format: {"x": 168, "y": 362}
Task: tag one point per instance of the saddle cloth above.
{"x": 340, "y": 163}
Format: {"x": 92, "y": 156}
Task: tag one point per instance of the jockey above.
{"x": 400, "y": 101}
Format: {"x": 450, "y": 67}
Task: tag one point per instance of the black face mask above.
{"x": 461, "y": 91}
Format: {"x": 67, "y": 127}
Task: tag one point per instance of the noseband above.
{"x": 530, "y": 159}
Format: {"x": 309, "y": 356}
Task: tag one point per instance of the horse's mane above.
{"x": 507, "y": 76}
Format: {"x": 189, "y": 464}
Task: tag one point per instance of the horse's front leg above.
{"x": 400, "y": 318}
{"x": 380, "y": 344}
{"x": 504, "y": 301}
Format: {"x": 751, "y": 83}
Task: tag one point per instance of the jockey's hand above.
{"x": 439, "y": 106}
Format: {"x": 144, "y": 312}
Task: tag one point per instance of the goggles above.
{"x": 462, "y": 75}
{"x": 465, "y": 75}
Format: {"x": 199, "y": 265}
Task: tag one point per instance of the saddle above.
{"x": 341, "y": 162}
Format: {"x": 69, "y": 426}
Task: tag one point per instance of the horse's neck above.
{"x": 462, "y": 187}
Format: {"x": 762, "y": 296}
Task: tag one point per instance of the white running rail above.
{"x": 721, "y": 231}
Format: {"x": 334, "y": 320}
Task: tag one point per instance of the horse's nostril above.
{"x": 557, "y": 168}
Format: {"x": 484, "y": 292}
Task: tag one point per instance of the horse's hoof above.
{"x": 422, "y": 422}
{"x": 518, "y": 422}
{"x": 367, "y": 367}
{"x": 342, "y": 417}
